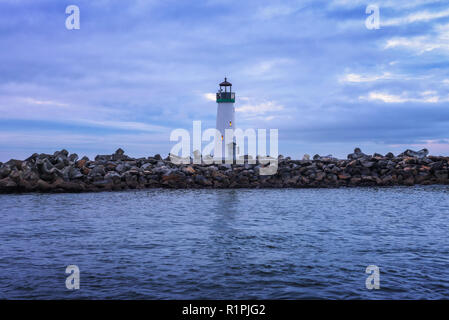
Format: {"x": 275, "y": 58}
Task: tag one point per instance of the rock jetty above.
{"x": 64, "y": 172}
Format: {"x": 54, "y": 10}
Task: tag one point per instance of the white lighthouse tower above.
{"x": 226, "y": 118}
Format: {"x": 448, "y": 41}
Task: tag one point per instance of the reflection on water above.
{"x": 236, "y": 244}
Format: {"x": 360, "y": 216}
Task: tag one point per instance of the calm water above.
{"x": 227, "y": 244}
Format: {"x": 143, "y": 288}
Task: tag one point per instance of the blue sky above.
{"x": 136, "y": 70}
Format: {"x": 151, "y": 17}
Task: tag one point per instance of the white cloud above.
{"x": 269, "y": 118}
{"x": 210, "y": 96}
{"x": 423, "y": 44}
{"x": 25, "y": 108}
{"x": 267, "y": 67}
{"x": 345, "y": 3}
{"x": 260, "y": 109}
{"x": 44, "y": 102}
{"x": 125, "y": 125}
{"x": 359, "y": 78}
{"x": 387, "y": 98}
{"x": 270, "y": 12}
{"x": 396, "y": 4}
{"x": 415, "y": 17}
{"x": 424, "y": 97}
{"x": 353, "y": 77}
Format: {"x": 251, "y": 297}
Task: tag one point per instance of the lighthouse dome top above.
{"x": 225, "y": 95}
{"x": 225, "y": 83}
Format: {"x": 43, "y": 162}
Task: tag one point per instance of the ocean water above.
{"x": 227, "y": 244}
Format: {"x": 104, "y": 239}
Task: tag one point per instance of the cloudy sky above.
{"x": 136, "y": 70}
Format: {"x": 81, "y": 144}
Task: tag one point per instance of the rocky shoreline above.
{"x": 64, "y": 172}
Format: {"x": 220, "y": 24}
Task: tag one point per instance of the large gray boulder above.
{"x": 47, "y": 170}
{"x": 112, "y": 176}
{"x": 75, "y": 173}
{"x": 7, "y": 184}
{"x": 5, "y": 170}
{"x": 97, "y": 171}
{"x": 73, "y": 158}
{"x": 415, "y": 154}
{"x": 119, "y": 155}
{"x": 122, "y": 167}
{"x": 357, "y": 154}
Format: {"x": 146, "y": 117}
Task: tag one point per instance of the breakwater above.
{"x": 64, "y": 172}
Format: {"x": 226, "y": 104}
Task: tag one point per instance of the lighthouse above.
{"x": 226, "y": 118}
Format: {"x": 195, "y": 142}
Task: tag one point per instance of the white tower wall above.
{"x": 225, "y": 120}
